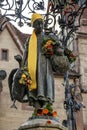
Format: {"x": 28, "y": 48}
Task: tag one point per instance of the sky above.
{"x": 26, "y": 29}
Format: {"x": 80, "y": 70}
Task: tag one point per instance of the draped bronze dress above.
{"x": 44, "y": 77}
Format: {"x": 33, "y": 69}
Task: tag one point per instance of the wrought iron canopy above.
{"x": 63, "y": 13}
{"x": 14, "y": 10}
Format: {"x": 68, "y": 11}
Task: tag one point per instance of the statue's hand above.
{"x": 58, "y": 50}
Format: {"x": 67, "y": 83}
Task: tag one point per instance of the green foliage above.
{"x": 49, "y": 107}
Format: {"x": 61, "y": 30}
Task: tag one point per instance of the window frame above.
{"x": 2, "y": 59}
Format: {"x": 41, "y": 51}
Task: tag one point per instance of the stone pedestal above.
{"x": 42, "y": 124}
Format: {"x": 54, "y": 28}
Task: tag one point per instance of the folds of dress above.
{"x": 44, "y": 91}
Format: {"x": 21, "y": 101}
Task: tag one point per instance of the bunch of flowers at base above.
{"x": 46, "y": 111}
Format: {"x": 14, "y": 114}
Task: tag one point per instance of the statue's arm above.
{"x": 25, "y": 54}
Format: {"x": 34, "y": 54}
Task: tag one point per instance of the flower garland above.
{"x": 46, "y": 111}
{"x": 48, "y": 49}
{"x": 71, "y": 57}
{"x": 25, "y": 77}
{"x": 47, "y": 46}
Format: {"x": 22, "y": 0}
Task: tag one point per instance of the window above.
{"x": 4, "y": 54}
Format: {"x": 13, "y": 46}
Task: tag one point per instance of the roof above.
{"x": 22, "y": 37}
{"x": 17, "y": 36}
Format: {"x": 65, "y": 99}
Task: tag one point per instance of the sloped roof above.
{"x": 22, "y": 37}
{"x": 17, "y": 36}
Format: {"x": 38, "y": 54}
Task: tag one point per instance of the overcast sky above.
{"x": 25, "y": 28}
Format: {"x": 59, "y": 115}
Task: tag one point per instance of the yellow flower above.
{"x": 49, "y": 42}
{"x": 30, "y": 81}
{"x": 23, "y": 76}
{"x": 20, "y": 81}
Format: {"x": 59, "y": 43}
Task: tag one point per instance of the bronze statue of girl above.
{"x": 41, "y": 90}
